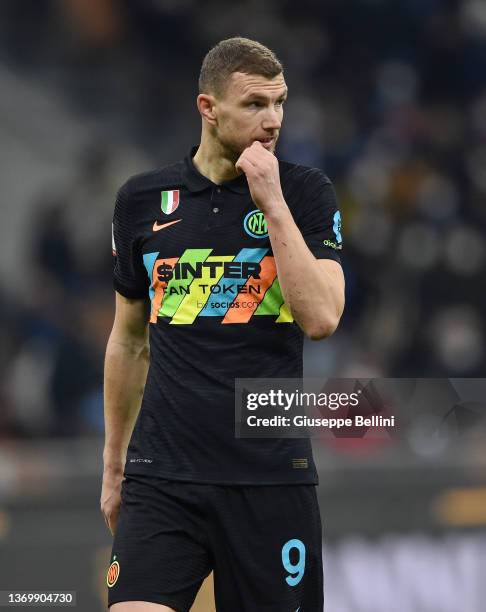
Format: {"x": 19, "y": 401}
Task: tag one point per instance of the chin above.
{"x": 233, "y": 151}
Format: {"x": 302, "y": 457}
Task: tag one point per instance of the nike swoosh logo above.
{"x": 158, "y": 227}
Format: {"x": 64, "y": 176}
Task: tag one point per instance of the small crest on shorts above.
{"x": 112, "y": 574}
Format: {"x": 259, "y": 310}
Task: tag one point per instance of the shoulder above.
{"x": 305, "y": 187}
{"x": 160, "y": 178}
{"x": 296, "y": 175}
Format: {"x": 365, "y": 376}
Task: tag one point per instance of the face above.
{"x": 250, "y": 109}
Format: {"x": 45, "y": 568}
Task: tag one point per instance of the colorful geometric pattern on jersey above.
{"x": 202, "y": 254}
{"x": 263, "y": 544}
{"x": 180, "y": 288}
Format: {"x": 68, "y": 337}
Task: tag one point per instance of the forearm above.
{"x": 310, "y": 292}
{"x": 126, "y": 366}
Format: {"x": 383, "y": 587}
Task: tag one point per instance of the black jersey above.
{"x": 202, "y": 254}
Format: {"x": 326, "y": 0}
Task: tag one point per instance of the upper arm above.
{"x": 131, "y": 319}
{"x": 320, "y": 219}
{"x": 335, "y": 272}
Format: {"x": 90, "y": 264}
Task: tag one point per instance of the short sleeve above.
{"x": 129, "y": 275}
{"x": 320, "y": 222}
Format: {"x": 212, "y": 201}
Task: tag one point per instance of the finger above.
{"x": 257, "y": 148}
{"x": 258, "y": 155}
{"x": 264, "y": 155}
{"x": 244, "y": 164}
{"x": 256, "y": 151}
{"x": 248, "y": 153}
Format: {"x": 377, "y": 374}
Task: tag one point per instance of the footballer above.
{"x": 223, "y": 262}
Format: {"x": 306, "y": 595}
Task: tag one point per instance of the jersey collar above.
{"x": 195, "y": 181}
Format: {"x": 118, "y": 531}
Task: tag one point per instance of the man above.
{"x": 238, "y": 253}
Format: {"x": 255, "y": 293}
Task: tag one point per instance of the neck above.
{"x": 215, "y": 162}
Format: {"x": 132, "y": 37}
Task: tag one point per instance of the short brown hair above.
{"x": 236, "y": 55}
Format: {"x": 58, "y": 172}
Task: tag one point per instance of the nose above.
{"x": 273, "y": 119}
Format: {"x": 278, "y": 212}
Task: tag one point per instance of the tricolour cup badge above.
{"x": 169, "y": 201}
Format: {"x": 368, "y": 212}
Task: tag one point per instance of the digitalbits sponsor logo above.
{"x": 337, "y": 226}
{"x": 255, "y": 225}
{"x": 113, "y": 574}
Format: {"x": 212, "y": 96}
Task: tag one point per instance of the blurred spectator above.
{"x": 388, "y": 98}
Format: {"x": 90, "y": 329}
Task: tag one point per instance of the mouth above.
{"x": 267, "y": 142}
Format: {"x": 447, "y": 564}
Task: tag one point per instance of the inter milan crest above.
{"x": 255, "y": 224}
{"x": 113, "y": 573}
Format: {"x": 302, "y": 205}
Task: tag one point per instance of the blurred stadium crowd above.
{"x": 389, "y": 98}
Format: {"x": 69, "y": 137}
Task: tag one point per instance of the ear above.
{"x": 206, "y": 105}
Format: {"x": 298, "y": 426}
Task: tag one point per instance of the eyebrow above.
{"x": 257, "y": 96}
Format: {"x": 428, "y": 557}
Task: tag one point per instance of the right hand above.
{"x": 111, "y": 498}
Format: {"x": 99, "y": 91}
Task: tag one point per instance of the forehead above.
{"x": 244, "y": 85}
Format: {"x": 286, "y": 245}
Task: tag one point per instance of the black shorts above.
{"x": 262, "y": 542}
